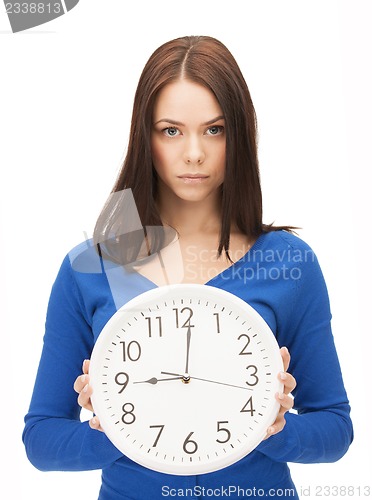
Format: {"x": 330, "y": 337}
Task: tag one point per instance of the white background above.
{"x": 66, "y": 91}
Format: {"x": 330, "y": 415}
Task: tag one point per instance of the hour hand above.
{"x": 155, "y": 380}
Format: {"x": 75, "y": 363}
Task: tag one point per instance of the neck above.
{"x": 189, "y": 217}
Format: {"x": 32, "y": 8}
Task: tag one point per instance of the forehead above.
{"x": 185, "y": 99}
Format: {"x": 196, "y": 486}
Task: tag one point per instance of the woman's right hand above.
{"x": 82, "y": 387}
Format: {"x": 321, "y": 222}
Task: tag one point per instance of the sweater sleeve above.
{"x": 54, "y": 436}
{"x": 320, "y": 430}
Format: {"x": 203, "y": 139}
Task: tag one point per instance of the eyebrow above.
{"x": 175, "y": 122}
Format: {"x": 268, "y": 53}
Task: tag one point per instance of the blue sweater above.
{"x": 281, "y": 278}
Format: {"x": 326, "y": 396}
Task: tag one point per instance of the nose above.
{"x": 194, "y": 152}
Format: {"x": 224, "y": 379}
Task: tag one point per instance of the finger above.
{"x": 286, "y": 357}
{"x": 94, "y": 423}
{"x": 84, "y": 398}
{"x": 86, "y": 364}
{"x": 286, "y": 402}
{"x": 276, "y": 427}
{"x": 288, "y": 381}
{"x": 81, "y": 382}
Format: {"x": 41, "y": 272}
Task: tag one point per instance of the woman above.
{"x": 192, "y": 167}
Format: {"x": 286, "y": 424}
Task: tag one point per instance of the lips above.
{"x": 193, "y": 178}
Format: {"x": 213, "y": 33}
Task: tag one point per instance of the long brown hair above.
{"x": 206, "y": 61}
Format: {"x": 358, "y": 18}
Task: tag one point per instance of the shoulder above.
{"x": 283, "y": 246}
{"x": 298, "y": 256}
{"x": 81, "y": 269}
{"x": 84, "y": 258}
{"x": 284, "y": 239}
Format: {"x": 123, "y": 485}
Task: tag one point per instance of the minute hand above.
{"x": 211, "y": 381}
{"x": 188, "y": 349}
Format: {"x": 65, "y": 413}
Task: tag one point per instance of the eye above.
{"x": 170, "y": 131}
{"x": 215, "y": 130}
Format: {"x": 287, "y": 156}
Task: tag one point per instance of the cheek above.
{"x": 155, "y": 152}
{"x": 220, "y": 159}
{"x": 161, "y": 161}
{"x": 162, "y": 156}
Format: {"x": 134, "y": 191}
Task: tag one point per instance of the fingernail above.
{"x": 280, "y": 395}
{"x": 85, "y": 388}
{"x": 83, "y": 377}
{"x": 94, "y": 421}
{"x": 270, "y": 430}
{"x": 285, "y": 349}
{"x": 283, "y": 375}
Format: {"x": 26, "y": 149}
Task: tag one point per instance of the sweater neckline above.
{"x": 226, "y": 272}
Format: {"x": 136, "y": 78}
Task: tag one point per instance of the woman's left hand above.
{"x": 286, "y": 401}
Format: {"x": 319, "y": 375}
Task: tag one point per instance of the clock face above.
{"x": 184, "y": 379}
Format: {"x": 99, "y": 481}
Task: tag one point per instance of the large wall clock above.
{"x": 184, "y": 379}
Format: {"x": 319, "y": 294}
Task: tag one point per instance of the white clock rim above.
{"x": 184, "y": 469}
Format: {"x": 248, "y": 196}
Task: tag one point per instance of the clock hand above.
{"x": 207, "y": 380}
{"x": 188, "y": 350}
{"x": 155, "y": 380}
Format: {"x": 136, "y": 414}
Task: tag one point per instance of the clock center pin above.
{"x": 186, "y": 378}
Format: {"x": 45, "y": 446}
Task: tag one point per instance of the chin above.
{"x": 196, "y": 195}
{"x": 187, "y": 193}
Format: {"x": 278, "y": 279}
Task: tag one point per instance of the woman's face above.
{"x": 188, "y": 142}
